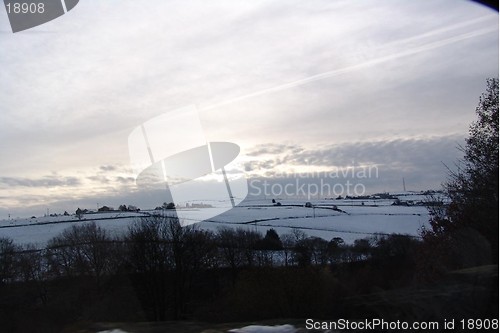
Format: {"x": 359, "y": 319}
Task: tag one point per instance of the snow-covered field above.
{"x": 40, "y": 230}
{"x": 351, "y": 220}
{"x": 350, "y": 223}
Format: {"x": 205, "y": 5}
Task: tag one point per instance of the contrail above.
{"x": 447, "y": 28}
{"x": 336, "y": 72}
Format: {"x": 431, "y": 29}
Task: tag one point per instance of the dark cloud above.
{"x": 422, "y": 161}
{"x": 394, "y": 152}
{"x": 99, "y": 179}
{"x": 46, "y": 181}
{"x": 125, "y": 180}
{"x": 108, "y": 174}
{"x": 107, "y": 168}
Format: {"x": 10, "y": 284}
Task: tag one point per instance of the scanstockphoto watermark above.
{"x": 352, "y": 172}
{"x": 349, "y": 182}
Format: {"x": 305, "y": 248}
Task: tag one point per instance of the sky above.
{"x": 301, "y": 87}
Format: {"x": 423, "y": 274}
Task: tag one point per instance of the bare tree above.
{"x": 32, "y": 268}
{"x": 288, "y": 241}
{"x": 7, "y": 260}
{"x": 166, "y": 258}
{"x": 81, "y": 250}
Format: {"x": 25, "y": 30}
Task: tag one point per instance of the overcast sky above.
{"x": 298, "y": 85}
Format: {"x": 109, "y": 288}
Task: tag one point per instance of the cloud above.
{"x": 99, "y": 179}
{"x": 422, "y": 160}
{"x": 46, "y": 181}
{"x": 390, "y": 152}
{"x": 273, "y": 148}
{"x": 107, "y": 168}
{"x": 125, "y": 180}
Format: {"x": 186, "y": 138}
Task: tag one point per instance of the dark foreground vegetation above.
{"x": 161, "y": 271}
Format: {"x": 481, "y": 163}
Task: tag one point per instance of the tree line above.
{"x": 167, "y": 271}
{"x": 89, "y": 250}
{"x": 160, "y": 270}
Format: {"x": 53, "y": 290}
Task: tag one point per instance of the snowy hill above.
{"x": 349, "y": 219}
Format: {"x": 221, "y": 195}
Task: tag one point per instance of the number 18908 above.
{"x": 25, "y": 8}
{"x": 479, "y": 324}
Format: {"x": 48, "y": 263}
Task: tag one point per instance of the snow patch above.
{"x": 265, "y": 329}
